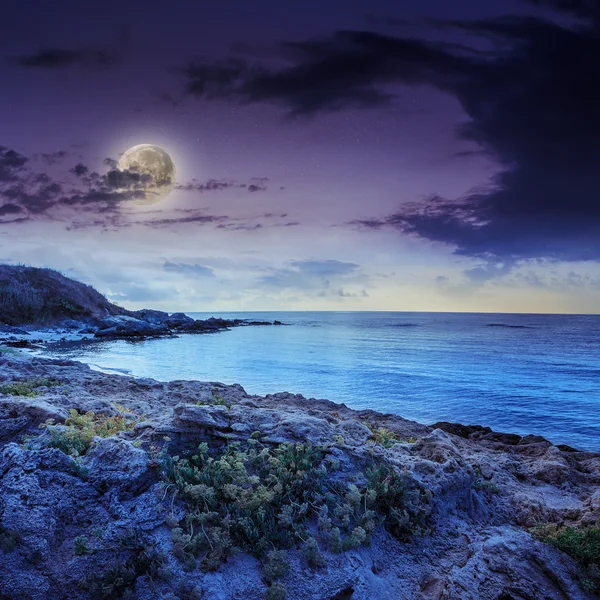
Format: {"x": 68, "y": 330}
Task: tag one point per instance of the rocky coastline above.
{"x": 42, "y": 306}
{"x": 113, "y": 486}
{"x": 137, "y": 325}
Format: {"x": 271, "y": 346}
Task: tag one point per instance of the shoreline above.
{"x": 154, "y": 324}
{"x": 481, "y": 492}
{"x": 53, "y": 337}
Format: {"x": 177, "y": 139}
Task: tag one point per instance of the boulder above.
{"x": 156, "y": 317}
{"x": 124, "y": 326}
{"x": 178, "y": 320}
{"x": 116, "y": 463}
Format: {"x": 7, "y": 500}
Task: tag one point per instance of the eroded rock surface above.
{"x": 63, "y": 518}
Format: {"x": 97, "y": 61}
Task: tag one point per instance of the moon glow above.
{"x": 156, "y": 168}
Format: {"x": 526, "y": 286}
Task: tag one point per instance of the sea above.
{"x": 517, "y": 373}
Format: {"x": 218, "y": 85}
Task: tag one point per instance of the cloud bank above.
{"x": 530, "y": 88}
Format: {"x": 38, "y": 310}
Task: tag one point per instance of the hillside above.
{"x": 30, "y": 295}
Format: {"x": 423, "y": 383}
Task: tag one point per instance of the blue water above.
{"x": 515, "y": 373}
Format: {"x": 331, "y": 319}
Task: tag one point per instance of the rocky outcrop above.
{"x": 178, "y": 321}
{"x": 67, "y": 519}
{"x": 125, "y": 326}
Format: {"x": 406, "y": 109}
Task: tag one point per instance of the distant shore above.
{"x": 42, "y": 306}
{"x": 119, "y": 327}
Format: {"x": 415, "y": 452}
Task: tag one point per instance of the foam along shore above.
{"x": 112, "y": 486}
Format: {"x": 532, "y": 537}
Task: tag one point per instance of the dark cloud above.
{"x": 110, "y": 162}
{"x": 10, "y": 209}
{"x": 126, "y": 179}
{"x": 87, "y": 199}
{"x": 351, "y": 68}
{"x": 533, "y": 107}
{"x": 212, "y": 185}
{"x": 344, "y": 294}
{"x": 191, "y": 270}
{"x": 257, "y": 184}
{"x": 240, "y": 226}
{"x": 11, "y": 164}
{"x": 39, "y": 195}
{"x": 79, "y": 169}
{"x": 185, "y": 217}
{"x": 58, "y": 58}
{"x": 586, "y": 9}
{"x": 530, "y": 88}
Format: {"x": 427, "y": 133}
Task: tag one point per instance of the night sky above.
{"x": 330, "y": 155}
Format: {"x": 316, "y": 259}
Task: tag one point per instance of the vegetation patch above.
{"x": 264, "y": 500}
{"x": 80, "y": 430}
{"x": 119, "y": 580}
{"x": 387, "y": 438}
{"x": 28, "y": 388}
{"x": 485, "y": 485}
{"x": 583, "y": 544}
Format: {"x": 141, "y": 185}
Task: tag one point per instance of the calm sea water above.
{"x": 515, "y": 373}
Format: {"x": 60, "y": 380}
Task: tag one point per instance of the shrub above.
{"x": 276, "y": 565}
{"x": 387, "y": 438}
{"x": 312, "y": 553}
{"x": 28, "y": 387}
{"x": 262, "y": 499}
{"x": 583, "y": 544}
{"x": 80, "y": 430}
{"x": 144, "y": 560}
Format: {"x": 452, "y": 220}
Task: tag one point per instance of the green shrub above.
{"x": 583, "y": 544}
{"x": 28, "y": 387}
{"x": 387, "y": 438}
{"x": 276, "y": 565}
{"x": 121, "y": 577}
{"x": 262, "y": 499}
{"x": 80, "y": 430}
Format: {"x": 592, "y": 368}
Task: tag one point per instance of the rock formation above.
{"x": 102, "y": 517}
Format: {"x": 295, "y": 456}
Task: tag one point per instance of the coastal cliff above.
{"x": 113, "y": 486}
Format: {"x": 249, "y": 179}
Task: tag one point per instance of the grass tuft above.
{"x": 76, "y": 437}
{"x": 387, "y": 438}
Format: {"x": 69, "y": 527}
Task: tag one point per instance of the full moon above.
{"x": 153, "y": 161}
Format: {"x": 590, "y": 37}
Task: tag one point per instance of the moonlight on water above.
{"x": 155, "y": 165}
